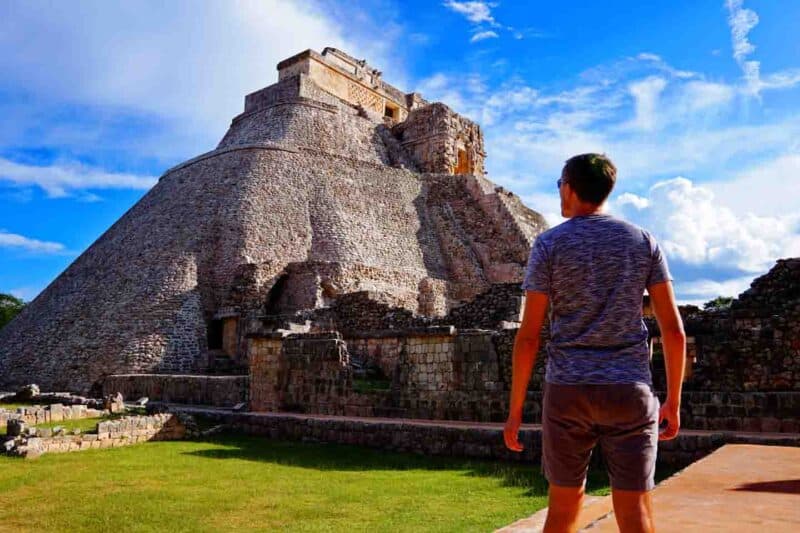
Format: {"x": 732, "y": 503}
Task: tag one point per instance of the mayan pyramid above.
{"x": 331, "y": 181}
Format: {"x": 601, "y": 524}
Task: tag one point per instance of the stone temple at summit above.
{"x": 330, "y": 192}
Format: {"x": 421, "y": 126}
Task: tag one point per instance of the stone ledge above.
{"x": 453, "y": 438}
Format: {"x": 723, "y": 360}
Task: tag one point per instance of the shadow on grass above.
{"x": 344, "y": 457}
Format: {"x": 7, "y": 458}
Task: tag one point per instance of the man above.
{"x": 592, "y": 272}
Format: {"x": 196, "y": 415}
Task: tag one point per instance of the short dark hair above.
{"x": 591, "y": 176}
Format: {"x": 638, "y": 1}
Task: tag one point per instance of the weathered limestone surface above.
{"x": 56, "y": 412}
{"x": 433, "y": 370}
{"x": 755, "y": 345}
{"x": 222, "y": 391}
{"x": 310, "y": 195}
{"x": 110, "y": 434}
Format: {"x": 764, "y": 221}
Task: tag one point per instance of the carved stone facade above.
{"x": 442, "y": 141}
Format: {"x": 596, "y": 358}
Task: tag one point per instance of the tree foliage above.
{"x": 718, "y": 303}
{"x": 10, "y": 306}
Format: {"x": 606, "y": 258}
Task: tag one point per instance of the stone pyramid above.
{"x": 331, "y": 181}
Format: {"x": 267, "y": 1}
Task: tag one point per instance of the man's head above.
{"x": 586, "y": 182}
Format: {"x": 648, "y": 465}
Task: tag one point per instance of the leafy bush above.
{"x": 10, "y": 306}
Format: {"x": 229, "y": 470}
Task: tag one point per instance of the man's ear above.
{"x": 570, "y": 194}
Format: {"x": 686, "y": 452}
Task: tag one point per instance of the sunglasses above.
{"x": 559, "y": 183}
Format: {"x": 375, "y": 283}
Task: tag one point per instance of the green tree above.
{"x": 10, "y": 306}
{"x": 718, "y": 303}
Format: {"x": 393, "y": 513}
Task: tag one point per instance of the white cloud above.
{"x": 697, "y": 129}
{"x": 781, "y": 80}
{"x": 658, "y": 62}
{"x": 646, "y": 94}
{"x": 631, "y": 199}
{"x": 186, "y": 64}
{"x": 26, "y": 293}
{"x": 65, "y": 179}
{"x": 694, "y": 227}
{"x": 741, "y": 21}
{"x": 708, "y": 289}
{"x": 546, "y": 204}
{"x": 482, "y": 35}
{"x": 699, "y": 95}
{"x": 13, "y": 240}
{"x": 769, "y": 188}
{"x": 475, "y": 12}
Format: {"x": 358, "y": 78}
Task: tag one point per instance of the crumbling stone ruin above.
{"x": 330, "y": 182}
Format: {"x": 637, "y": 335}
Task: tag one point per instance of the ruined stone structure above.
{"x": 330, "y": 182}
{"x": 745, "y": 362}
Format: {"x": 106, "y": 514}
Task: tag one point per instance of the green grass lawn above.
{"x": 238, "y": 482}
{"x": 86, "y": 425}
{"x": 13, "y": 406}
{"x": 235, "y": 482}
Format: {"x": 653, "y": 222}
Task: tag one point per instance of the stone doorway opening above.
{"x": 462, "y": 163}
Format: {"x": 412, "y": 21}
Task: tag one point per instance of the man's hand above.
{"x": 672, "y": 414}
{"x": 511, "y": 434}
{"x": 523, "y": 359}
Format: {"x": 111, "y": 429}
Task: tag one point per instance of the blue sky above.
{"x": 697, "y": 102}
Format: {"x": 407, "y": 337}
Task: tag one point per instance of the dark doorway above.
{"x": 214, "y": 334}
{"x": 272, "y": 306}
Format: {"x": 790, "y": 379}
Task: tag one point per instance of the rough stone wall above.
{"x": 755, "y": 345}
{"x": 306, "y": 123}
{"x": 772, "y": 412}
{"x": 429, "y": 363}
{"x": 376, "y": 314}
{"x": 357, "y": 312}
{"x": 37, "y": 414}
{"x": 111, "y": 434}
{"x": 266, "y": 373}
{"x": 222, "y": 391}
{"x": 383, "y": 351}
{"x": 436, "y": 374}
{"x": 479, "y": 241}
{"x": 502, "y": 302}
{"x": 317, "y": 373}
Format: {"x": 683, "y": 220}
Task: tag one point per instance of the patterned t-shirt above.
{"x": 595, "y": 269}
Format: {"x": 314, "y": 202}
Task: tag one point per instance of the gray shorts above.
{"x": 623, "y": 418}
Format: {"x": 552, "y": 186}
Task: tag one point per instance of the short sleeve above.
{"x": 537, "y": 273}
{"x": 659, "y": 270}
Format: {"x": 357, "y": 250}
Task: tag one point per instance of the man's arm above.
{"x": 674, "y": 342}
{"x": 526, "y": 348}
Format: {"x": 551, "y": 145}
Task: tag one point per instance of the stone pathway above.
{"x": 738, "y": 488}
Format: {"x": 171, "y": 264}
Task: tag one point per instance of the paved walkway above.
{"x": 738, "y": 488}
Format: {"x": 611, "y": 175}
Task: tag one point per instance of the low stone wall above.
{"x": 221, "y": 391}
{"x": 110, "y": 434}
{"x": 775, "y": 412}
{"x": 450, "y": 438}
{"x": 50, "y": 413}
{"x": 444, "y": 374}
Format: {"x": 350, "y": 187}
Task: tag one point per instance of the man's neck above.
{"x": 589, "y": 209}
